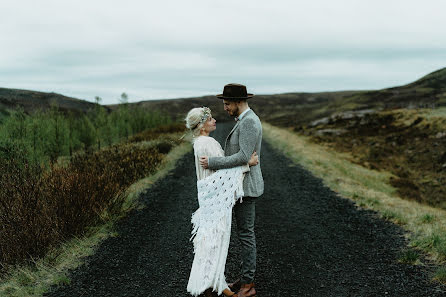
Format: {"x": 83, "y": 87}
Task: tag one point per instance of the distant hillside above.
{"x": 293, "y": 109}
{"x": 279, "y": 108}
{"x": 10, "y": 99}
{"x": 435, "y": 80}
{"x": 429, "y": 91}
{"x": 289, "y": 109}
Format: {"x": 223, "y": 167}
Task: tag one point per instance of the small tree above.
{"x": 86, "y": 133}
{"x": 124, "y": 99}
{"x": 71, "y": 131}
{"x": 124, "y": 122}
{"x": 99, "y": 121}
{"x": 15, "y": 125}
{"x": 58, "y": 133}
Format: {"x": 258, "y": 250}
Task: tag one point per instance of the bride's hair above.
{"x": 195, "y": 119}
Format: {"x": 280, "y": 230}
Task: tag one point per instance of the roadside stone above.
{"x": 345, "y": 115}
{"x": 440, "y": 135}
{"x": 330, "y": 132}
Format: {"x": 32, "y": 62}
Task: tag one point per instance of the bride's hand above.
{"x": 204, "y": 162}
{"x": 254, "y": 159}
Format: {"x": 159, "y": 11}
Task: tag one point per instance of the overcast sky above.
{"x": 169, "y": 49}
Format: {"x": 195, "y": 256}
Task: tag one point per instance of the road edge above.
{"x": 425, "y": 226}
{"x": 53, "y": 269}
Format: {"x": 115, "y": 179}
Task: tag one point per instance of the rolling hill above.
{"x": 30, "y": 101}
{"x": 294, "y": 109}
{"x": 381, "y": 129}
{"x": 288, "y": 109}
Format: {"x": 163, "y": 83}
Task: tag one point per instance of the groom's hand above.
{"x": 204, "y": 162}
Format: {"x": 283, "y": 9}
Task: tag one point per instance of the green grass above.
{"x": 409, "y": 256}
{"x": 433, "y": 242}
{"x": 440, "y": 274}
{"x": 34, "y": 280}
{"x": 427, "y": 218}
{"x": 366, "y": 202}
{"x": 394, "y": 217}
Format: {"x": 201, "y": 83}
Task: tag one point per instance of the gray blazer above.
{"x": 242, "y": 141}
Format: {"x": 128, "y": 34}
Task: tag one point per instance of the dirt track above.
{"x": 310, "y": 243}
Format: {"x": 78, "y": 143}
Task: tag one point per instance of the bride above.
{"x": 217, "y": 193}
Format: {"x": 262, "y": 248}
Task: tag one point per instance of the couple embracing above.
{"x": 226, "y": 180}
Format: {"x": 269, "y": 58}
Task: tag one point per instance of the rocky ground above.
{"x": 311, "y": 242}
{"x": 408, "y": 143}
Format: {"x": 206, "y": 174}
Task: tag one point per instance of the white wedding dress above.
{"x": 217, "y": 193}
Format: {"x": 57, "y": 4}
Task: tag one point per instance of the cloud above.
{"x": 185, "y": 48}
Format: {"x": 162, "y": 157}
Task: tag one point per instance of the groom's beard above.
{"x": 234, "y": 113}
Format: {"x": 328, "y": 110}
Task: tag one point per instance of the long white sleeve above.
{"x": 205, "y": 146}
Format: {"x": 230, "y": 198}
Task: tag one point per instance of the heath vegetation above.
{"x": 62, "y": 173}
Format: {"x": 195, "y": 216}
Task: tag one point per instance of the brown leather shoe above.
{"x": 210, "y": 293}
{"x": 235, "y": 286}
{"x": 228, "y": 293}
{"x": 247, "y": 290}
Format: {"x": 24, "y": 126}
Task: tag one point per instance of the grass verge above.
{"x": 369, "y": 189}
{"x": 35, "y": 278}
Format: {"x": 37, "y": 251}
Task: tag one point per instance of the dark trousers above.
{"x": 245, "y": 214}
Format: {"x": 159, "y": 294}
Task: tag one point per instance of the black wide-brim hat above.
{"x": 235, "y": 92}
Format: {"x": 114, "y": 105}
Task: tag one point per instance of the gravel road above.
{"x": 310, "y": 241}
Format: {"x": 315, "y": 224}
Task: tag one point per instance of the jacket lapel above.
{"x": 235, "y": 126}
{"x": 233, "y": 129}
{"x": 229, "y": 135}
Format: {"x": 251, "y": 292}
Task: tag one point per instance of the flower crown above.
{"x": 204, "y": 117}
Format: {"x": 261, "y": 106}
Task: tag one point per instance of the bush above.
{"x": 40, "y": 208}
{"x": 24, "y": 216}
{"x": 154, "y": 133}
{"x": 42, "y": 202}
{"x": 164, "y": 147}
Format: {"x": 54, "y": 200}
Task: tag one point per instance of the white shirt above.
{"x": 242, "y": 114}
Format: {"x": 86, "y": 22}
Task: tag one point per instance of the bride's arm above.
{"x": 247, "y": 142}
{"x": 207, "y": 148}
{"x": 253, "y": 161}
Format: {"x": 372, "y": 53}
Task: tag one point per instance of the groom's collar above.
{"x": 242, "y": 114}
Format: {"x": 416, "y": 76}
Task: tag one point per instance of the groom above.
{"x": 242, "y": 141}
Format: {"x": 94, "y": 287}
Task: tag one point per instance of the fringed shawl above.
{"x": 211, "y": 232}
